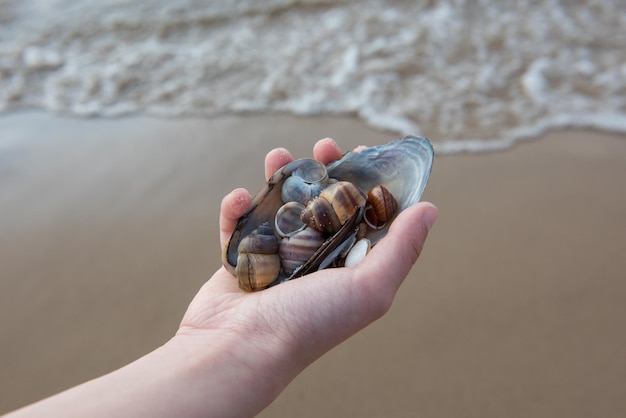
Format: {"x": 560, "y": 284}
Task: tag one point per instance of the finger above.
{"x": 234, "y": 205}
{"x": 353, "y": 297}
{"x": 387, "y": 265}
{"x": 326, "y": 151}
{"x": 275, "y": 159}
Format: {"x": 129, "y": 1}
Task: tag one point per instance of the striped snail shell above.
{"x": 381, "y": 207}
{"x": 295, "y": 250}
{"x": 258, "y": 263}
{"x": 305, "y": 183}
{"x": 288, "y": 220}
{"x": 333, "y": 207}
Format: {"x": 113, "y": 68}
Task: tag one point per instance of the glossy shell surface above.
{"x": 401, "y": 166}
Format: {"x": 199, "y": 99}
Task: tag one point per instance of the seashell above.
{"x": 381, "y": 207}
{"x": 288, "y": 219}
{"x": 358, "y": 252}
{"x": 402, "y": 167}
{"x": 305, "y": 183}
{"x": 258, "y": 262}
{"x": 334, "y": 206}
{"x": 295, "y": 250}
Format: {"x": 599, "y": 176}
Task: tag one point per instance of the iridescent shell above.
{"x": 401, "y": 166}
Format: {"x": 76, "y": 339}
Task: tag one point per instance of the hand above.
{"x": 235, "y": 351}
{"x": 288, "y": 326}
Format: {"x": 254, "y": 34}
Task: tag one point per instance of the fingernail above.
{"x": 430, "y": 216}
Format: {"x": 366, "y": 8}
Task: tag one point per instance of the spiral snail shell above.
{"x": 305, "y": 183}
{"x": 258, "y": 263}
{"x": 381, "y": 207}
{"x": 333, "y": 207}
{"x": 295, "y": 250}
{"x": 288, "y": 219}
{"x": 270, "y": 244}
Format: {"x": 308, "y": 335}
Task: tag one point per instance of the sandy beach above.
{"x": 516, "y": 308}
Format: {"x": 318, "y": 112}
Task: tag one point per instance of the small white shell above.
{"x": 358, "y": 252}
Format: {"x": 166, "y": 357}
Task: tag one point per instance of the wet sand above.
{"x": 516, "y": 308}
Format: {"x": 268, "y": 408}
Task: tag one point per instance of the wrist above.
{"x": 242, "y": 373}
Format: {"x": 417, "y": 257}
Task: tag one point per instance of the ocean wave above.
{"x": 472, "y": 76}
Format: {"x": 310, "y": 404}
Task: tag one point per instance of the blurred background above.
{"x": 449, "y": 70}
{"x": 122, "y": 123}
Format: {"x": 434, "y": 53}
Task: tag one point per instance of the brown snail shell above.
{"x": 333, "y": 207}
{"x": 258, "y": 263}
{"x": 381, "y": 207}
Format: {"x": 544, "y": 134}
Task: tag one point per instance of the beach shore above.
{"x": 108, "y": 227}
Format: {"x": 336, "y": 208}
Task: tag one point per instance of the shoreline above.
{"x": 109, "y": 228}
{"x": 601, "y": 124}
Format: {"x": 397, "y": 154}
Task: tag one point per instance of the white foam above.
{"x": 410, "y": 67}
{"x": 611, "y": 122}
{"x": 534, "y": 80}
{"x": 35, "y": 58}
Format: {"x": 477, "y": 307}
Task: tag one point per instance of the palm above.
{"x": 315, "y": 312}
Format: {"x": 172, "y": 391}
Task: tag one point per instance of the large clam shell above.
{"x": 402, "y": 166}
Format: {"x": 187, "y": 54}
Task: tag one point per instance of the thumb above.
{"x": 387, "y": 265}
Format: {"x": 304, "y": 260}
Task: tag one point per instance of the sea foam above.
{"x": 472, "y": 76}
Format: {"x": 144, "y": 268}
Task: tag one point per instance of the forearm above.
{"x": 235, "y": 352}
{"x": 201, "y": 378}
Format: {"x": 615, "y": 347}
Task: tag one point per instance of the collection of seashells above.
{"x": 309, "y": 216}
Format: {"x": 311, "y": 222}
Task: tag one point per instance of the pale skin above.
{"x": 235, "y": 352}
